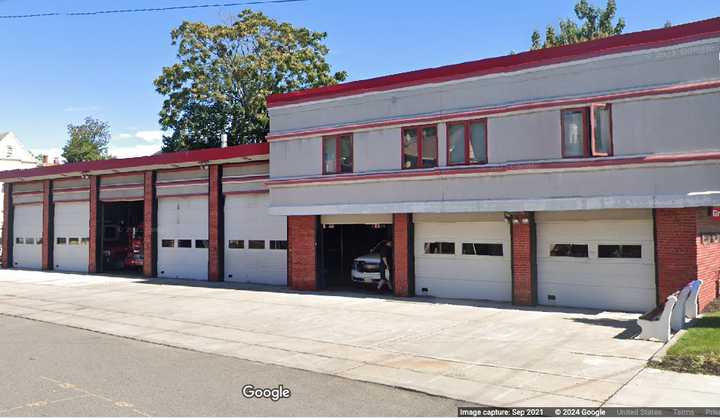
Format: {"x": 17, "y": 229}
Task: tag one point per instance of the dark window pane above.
{"x": 73, "y": 241}
{"x": 569, "y": 250}
{"x": 410, "y": 148}
{"x": 168, "y": 243}
{"x": 184, "y": 243}
{"x": 346, "y": 154}
{"x": 60, "y": 241}
{"x": 201, "y": 243}
{"x": 278, "y": 244}
{"x": 256, "y": 244}
{"x": 236, "y": 244}
{"x": 38, "y": 241}
{"x": 477, "y": 142}
{"x": 329, "y": 155}
{"x": 573, "y": 133}
{"x": 85, "y": 241}
{"x": 440, "y": 248}
{"x": 19, "y": 241}
{"x": 29, "y": 241}
{"x": 456, "y": 143}
{"x": 430, "y": 147}
{"x": 619, "y": 251}
{"x": 602, "y": 130}
{"x": 495, "y": 250}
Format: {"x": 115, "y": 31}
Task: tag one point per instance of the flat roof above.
{"x": 232, "y": 154}
{"x": 653, "y": 38}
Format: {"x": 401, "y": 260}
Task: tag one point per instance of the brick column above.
{"x": 149, "y": 225}
{"x": 681, "y": 253}
{"x": 216, "y": 269}
{"x": 402, "y": 276}
{"x": 48, "y": 224}
{"x": 95, "y": 248}
{"x": 523, "y": 255}
{"x": 7, "y": 227}
{"x": 675, "y": 249}
{"x": 302, "y": 252}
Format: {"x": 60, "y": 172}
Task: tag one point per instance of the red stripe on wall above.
{"x": 499, "y": 111}
{"x": 502, "y": 168}
{"x": 634, "y": 41}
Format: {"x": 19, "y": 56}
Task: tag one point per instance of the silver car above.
{"x": 367, "y": 268}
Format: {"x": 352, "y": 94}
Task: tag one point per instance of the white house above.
{"x": 13, "y": 155}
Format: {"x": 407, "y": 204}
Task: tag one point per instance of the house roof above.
{"x": 241, "y": 153}
{"x": 653, "y": 38}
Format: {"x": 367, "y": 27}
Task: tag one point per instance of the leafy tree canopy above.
{"x": 88, "y": 141}
{"x": 225, "y": 72}
{"x": 595, "y": 23}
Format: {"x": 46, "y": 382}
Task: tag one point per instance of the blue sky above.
{"x": 57, "y": 70}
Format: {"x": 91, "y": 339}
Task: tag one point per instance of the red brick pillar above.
{"x": 7, "y": 231}
{"x": 149, "y": 225}
{"x": 302, "y": 252}
{"x": 402, "y": 275}
{"x": 675, "y": 249}
{"x": 523, "y": 254}
{"x": 48, "y": 224}
{"x": 95, "y": 248}
{"x": 215, "y": 228}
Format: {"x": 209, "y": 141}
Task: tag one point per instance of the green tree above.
{"x": 595, "y": 23}
{"x": 225, "y": 72}
{"x": 88, "y": 141}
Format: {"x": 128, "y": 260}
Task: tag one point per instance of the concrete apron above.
{"x": 486, "y": 354}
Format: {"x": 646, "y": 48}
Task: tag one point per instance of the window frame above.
{"x": 468, "y": 140}
{"x": 593, "y": 107}
{"x": 588, "y": 130}
{"x": 338, "y": 153}
{"x": 420, "y": 141}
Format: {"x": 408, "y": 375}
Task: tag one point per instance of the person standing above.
{"x": 386, "y": 254}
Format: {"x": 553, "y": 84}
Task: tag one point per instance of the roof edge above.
{"x": 652, "y": 38}
{"x": 127, "y": 164}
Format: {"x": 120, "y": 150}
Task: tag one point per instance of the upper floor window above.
{"x": 338, "y": 154}
{"x": 467, "y": 142}
{"x": 586, "y": 131}
{"x": 419, "y": 147}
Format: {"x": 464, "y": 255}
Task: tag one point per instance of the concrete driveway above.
{"x": 483, "y": 353}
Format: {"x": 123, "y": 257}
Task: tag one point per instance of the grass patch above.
{"x": 698, "y": 351}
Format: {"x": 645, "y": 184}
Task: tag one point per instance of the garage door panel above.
{"x": 71, "y": 222}
{"x": 27, "y": 236}
{"x": 594, "y": 282}
{"x": 247, "y": 218}
{"x": 182, "y": 219}
{"x": 463, "y": 276}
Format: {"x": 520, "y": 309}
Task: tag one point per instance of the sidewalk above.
{"x": 482, "y": 353}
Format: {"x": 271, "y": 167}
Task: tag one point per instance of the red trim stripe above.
{"x": 86, "y": 200}
{"x": 121, "y": 187}
{"x": 243, "y": 179}
{"x": 70, "y": 190}
{"x": 263, "y": 191}
{"x": 503, "y": 168}
{"x": 189, "y": 195}
{"x": 495, "y": 111}
{"x": 634, "y": 41}
{"x": 181, "y": 183}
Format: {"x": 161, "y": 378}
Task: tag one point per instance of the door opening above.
{"x": 122, "y": 236}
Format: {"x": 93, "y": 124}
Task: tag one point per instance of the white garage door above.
{"x": 27, "y": 236}
{"x": 601, "y": 264}
{"x": 183, "y": 238}
{"x": 72, "y": 238}
{"x": 464, "y": 260}
{"x": 255, "y": 241}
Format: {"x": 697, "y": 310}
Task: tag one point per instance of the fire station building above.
{"x": 583, "y": 176}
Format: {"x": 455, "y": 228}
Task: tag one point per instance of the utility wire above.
{"x": 148, "y": 9}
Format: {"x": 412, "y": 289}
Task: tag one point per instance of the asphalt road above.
{"x": 52, "y": 370}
